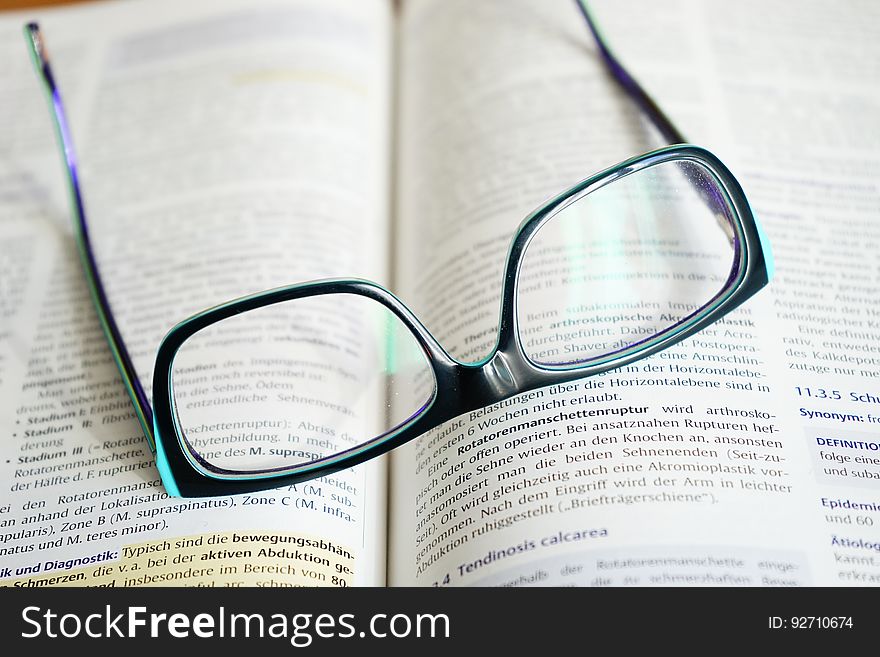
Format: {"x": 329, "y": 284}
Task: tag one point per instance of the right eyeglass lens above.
{"x": 625, "y": 263}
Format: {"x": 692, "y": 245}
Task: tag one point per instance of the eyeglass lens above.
{"x": 288, "y": 384}
{"x": 624, "y": 263}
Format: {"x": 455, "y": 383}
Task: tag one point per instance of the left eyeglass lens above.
{"x": 285, "y": 385}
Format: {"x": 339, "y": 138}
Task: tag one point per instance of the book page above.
{"x": 747, "y": 454}
{"x": 224, "y": 149}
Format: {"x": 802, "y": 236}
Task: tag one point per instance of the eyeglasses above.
{"x": 624, "y": 264}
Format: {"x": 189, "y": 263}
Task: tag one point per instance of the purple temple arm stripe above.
{"x": 645, "y": 103}
{"x": 123, "y": 360}
{"x": 706, "y": 189}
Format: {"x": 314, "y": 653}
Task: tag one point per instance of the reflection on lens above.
{"x": 624, "y": 263}
{"x": 292, "y": 383}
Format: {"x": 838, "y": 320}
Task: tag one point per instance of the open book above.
{"x": 227, "y": 149}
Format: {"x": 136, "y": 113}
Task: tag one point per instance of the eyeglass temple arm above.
{"x": 123, "y": 360}
{"x": 662, "y": 122}
{"x": 704, "y": 188}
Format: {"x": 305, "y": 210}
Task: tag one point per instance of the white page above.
{"x": 720, "y": 478}
{"x": 225, "y": 149}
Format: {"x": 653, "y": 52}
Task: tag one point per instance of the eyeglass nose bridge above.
{"x": 506, "y": 371}
{"x": 478, "y": 385}
{"x": 498, "y": 376}
{"x": 503, "y": 375}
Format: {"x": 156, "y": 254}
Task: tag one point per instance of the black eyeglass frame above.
{"x": 459, "y": 387}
